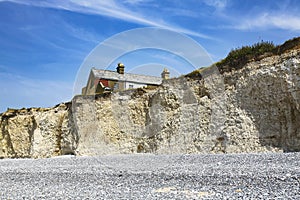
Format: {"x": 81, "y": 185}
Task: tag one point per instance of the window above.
{"x": 116, "y": 86}
{"x": 130, "y": 86}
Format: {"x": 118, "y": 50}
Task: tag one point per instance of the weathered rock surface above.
{"x": 253, "y": 109}
{"x": 38, "y": 132}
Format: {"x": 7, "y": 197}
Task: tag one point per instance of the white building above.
{"x": 101, "y": 81}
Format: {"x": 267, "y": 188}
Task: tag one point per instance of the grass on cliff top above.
{"x": 199, "y": 73}
{"x": 239, "y": 57}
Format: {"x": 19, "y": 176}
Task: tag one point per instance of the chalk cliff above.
{"x": 252, "y": 109}
{"x": 37, "y": 132}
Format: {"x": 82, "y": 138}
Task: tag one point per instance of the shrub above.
{"x": 240, "y": 56}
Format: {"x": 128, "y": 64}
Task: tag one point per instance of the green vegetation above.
{"x": 199, "y": 73}
{"x": 240, "y": 56}
{"x": 288, "y": 45}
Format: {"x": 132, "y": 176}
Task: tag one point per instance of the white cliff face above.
{"x": 267, "y": 93}
{"x": 254, "y": 109}
{"x": 258, "y": 111}
{"x": 37, "y": 132}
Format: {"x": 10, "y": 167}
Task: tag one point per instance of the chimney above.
{"x": 165, "y": 74}
{"x": 120, "y": 68}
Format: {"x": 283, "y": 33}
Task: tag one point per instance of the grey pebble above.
{"x": 148, "y": 176}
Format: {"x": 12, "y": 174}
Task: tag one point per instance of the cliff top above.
{"x": 239, "y": 57}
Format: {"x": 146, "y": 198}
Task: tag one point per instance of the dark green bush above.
{"x": 240, "y": 56}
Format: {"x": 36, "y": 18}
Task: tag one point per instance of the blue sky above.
{"x": 43, "y": 43}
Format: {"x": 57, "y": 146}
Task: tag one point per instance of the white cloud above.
{"x": 82, "y": 34}
{"x": 217, "y": 4}
{"x": 172, "y": 11}
{"x": 111, "y": 9}
{"x": 266, "y": 21}
{"x": 137, "y": 2}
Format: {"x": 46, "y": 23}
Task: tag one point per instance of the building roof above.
{"x": 127, "y": 77}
